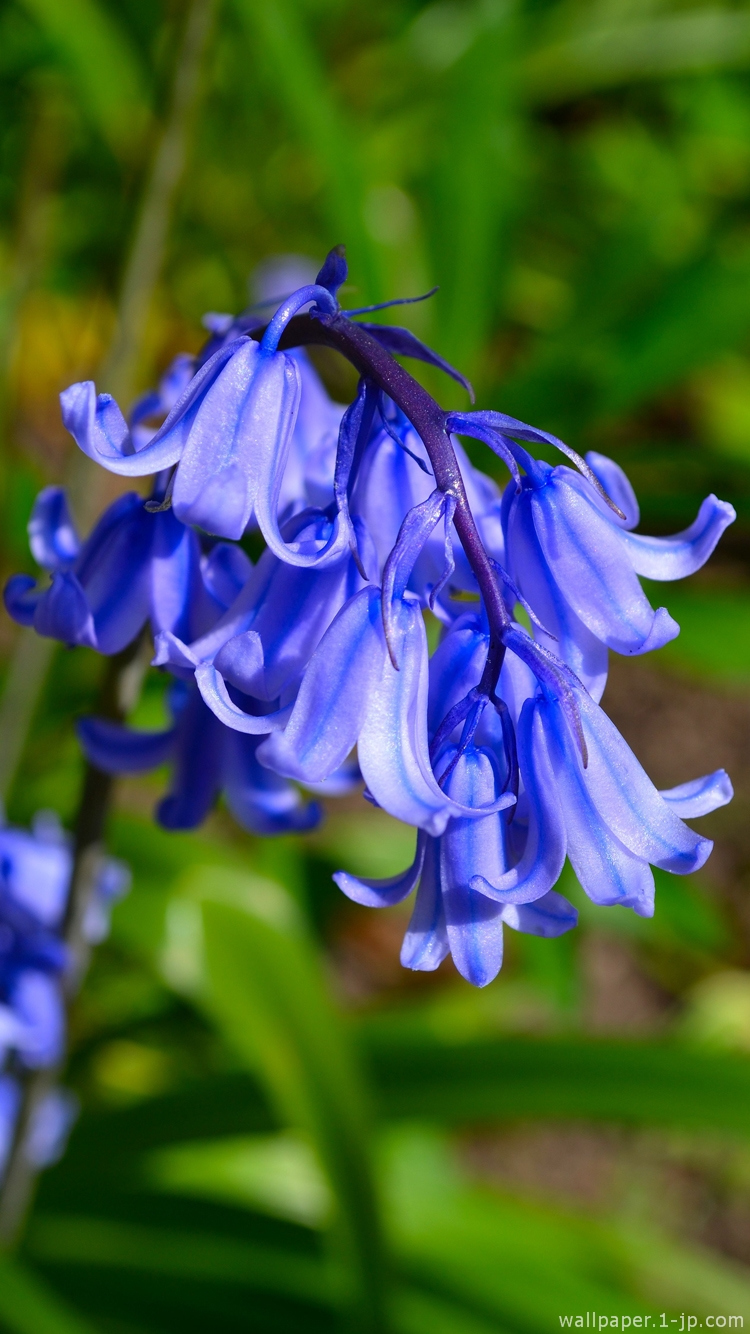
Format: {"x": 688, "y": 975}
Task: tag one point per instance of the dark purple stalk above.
{"x": 429, "y": 420}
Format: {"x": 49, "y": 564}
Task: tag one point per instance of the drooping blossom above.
{"x": 493, "y": 746}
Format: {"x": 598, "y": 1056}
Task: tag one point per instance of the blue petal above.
{"x": 197, "y": 766}
{"x": 544, "y": 852}
{"x": 334, "y": 695}
{"x": 615, "y": 794}
{"x": 226, "y": 570}
{"x": 179, "y": 601}
{"x": 455, "y": 668}
{"x": 63, "y": 612}
{"x": 119, "y": 750}
{"x": 585, "y": 553}
{"x": 259, "y": 800}
{"x": 384, "y": 893}
{"x": 426, "y": 940}
{"x": 243, "y": 422}
{"x": 393, "y": 748}
{"x": 53, "y": 538}
{"x": 292, "y": 610}
{"x": 37, "y": 874}
{"x": 216, "y": 696}
{"x": 675, "y": 557}
{"x": 618, "y": 488}
{"x": 114, "y": 571}
{"x": 100, "y": 430}
{"x": 701, "y": 796}
{"x": 549, "y": 916}
{"x": 37, "y": 1003}
{"x": 568, "y": 637}
{"x": 21, "y": 597}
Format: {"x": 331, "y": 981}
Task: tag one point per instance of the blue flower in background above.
{"x": 35, "y": 878}
{"x": 138, "y": 565}
{"x": 206, "y": 759}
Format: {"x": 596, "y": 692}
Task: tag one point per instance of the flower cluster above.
{"x": 35, "y": 879}
{"x": 493, "y": 747}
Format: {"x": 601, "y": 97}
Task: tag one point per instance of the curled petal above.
{"x": 120, "y": 750}
{"x": 616, "y": 789}
{"x": 585, "y": 552}
{"x": 701, "y": 796}
{"x": 675, "y": 557}
{"x": 63, "y": 612}
{"x": 100, "y": 430}
{"x": 171, "y": 652}
{"x": 568, "y": 637}
{"x": 544, "y": 854}
{"x": 21, "y": 597}
{"x": 53, "y": 538}
{"x": 549, "y": 916}
{"x": 216, "y": 696}
{"x": 384, "y": 893}
{"x": 426, "y": 940}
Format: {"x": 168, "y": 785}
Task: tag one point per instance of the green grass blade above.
{"x": 283, "y": 51}
{"x": 105, "y": 68}
{"x": 28, "y": 1307}
{"x": 265, "y": 988}
{"x": 639, "y": 1083}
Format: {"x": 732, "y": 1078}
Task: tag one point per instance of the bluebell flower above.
{"x": 139, "y": 564}
{"x": 206, "y": 759}
{"x": 228, "y": 436}
{"x": 452, "y": 911}
{"x": 577, "y": 563}
{"x": 35, "y": 878}
{"x": 10, "y": 1103}
{"x": 258, "y": 650}
{"x": 47, "y": 1133}
{"x": 367, "y": 684}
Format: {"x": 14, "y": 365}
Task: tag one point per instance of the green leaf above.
{"x": 105, "y": 69}
{"x": 639, "y": 1083}
{"x": 27, "y": 1306}
{"x": 78, "y": 1239}
{"x": 478, "y": 177}
{"x": 605, "y": 55}
{"x": 265, "y": 988}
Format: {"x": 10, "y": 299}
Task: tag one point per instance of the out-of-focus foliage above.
{"x": 279, "y": 1130}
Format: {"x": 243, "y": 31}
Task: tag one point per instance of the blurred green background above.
{"x": 280, "y": 1129}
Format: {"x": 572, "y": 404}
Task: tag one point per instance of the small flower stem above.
{"x": 96, "y": 791}
{"x": 428, "y": 418}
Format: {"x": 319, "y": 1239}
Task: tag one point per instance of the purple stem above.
{"x": 429, "y": 420}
